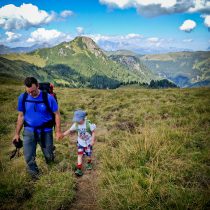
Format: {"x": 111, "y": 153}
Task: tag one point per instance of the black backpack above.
{"x": 46, "y": 89}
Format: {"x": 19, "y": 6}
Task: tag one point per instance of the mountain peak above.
{"x": 86, "y": 43}
{"x": 84, "y": 39}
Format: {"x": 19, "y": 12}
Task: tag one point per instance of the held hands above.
{"x": 59, "y": 135}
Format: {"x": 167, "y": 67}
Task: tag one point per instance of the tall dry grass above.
{"x": 153, "y": 151}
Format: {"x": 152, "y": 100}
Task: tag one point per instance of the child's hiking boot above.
{"x": 89, "y": 166}
{"x": 78, "y": 172}
{"x": 35, "y": 176}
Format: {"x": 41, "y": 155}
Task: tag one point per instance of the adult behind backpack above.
{"x": 36, "y": 109}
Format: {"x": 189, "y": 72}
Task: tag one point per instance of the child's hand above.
{"x": 72, "y": 133}
{"x": 62, "y": 136}
{"x": 92, "y": 143}
{"x": 67, "y": 133}
{"x": 93, "y": 138}
{"x": 59, "y": 136}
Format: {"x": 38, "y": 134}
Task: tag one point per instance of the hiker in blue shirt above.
{"x": 38, "y": 113}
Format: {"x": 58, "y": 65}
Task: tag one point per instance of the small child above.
{"x": 85, "y": 140}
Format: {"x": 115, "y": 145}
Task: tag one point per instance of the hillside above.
{"x": 19, "y": 69}
{"x": 135, "y": 65}
{"x": 82, "y": 57}
{"x": 152, "y": 152}
{"x": 184, "y": 68}
{"x": 83, "y": 64}
{"x": 121, "y": 52}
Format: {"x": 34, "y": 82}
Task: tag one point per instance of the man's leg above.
{"x": 29, "y": 146}
{"x": 47, "y": 146}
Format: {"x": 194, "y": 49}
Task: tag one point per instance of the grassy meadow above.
{"x": 152, "y": 150}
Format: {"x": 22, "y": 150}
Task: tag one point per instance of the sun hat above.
{"x": 79, "y": 115}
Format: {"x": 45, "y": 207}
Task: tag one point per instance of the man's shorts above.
{"x": 85, "y": 150}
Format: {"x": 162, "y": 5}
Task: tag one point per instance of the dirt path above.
{"x": 86, "y": 193}
{"x": 87, "y": 189}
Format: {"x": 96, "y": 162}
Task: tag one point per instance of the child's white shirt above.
{"x": 84, "y": 138}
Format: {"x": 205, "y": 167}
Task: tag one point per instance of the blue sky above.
{"x": 151, "y": 27}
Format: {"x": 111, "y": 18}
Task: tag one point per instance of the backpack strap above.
{"x": 76, "y": 126}
{"x": 44, "y": 98}
{"x": 88, "y": 122}
{"x": 46, "y": 101}
{"x": 25, "y": 95}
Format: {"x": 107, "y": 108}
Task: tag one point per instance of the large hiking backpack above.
{"x": 47, "y": 87}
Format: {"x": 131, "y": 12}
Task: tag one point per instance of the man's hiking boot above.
{"x": 89, "y": 166}
{"x": 78, "y": 172}
{"x": 35, "y": 176}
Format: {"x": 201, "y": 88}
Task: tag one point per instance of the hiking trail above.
{"x": 86, "y": 185}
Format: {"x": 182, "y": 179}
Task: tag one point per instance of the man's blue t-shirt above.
{"x": 36, "y": 113}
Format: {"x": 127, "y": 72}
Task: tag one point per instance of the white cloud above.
{"x": 80, "y": 30}
{"x": 134, "y": 42}
{"x": 160, "y": 7}
{"x": 66, "y": 13}
{"x": 139, "y": 43}
{"x": 206, "y": 20}
{"x": 202, "y": 6}
{"x": 23, "y": 17}
{"x": 41, "y": 35}
{"x": 129, "y": 42}
{"x": 135, "y": 3}
{"x": 133, "y": 36}
{"x": 120, "y": 3}
{"x": 188, "y": 26}
{"x": 12, "y": 37}
{"x": 27, "y": 16}
{"x": 153, "y": 39}
{"x": 187, "y": 40}
{"x": 120, "y": 40}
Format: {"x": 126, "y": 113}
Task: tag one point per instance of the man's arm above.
{"x": 19, "y": 125}
{"x": 59, "y": 134}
